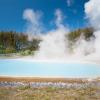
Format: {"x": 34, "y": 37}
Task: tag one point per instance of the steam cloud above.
{"x": 56, "y": 46}
{"x": 92, "y": 10}
{"x": 33, "y": 19}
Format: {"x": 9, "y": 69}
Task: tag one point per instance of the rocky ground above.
{"x": 50, "y": 90}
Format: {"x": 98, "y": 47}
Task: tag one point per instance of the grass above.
{"x": 49, "y": 93}
{"x": 26, "y": 92}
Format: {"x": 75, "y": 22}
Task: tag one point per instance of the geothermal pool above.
{"x": 48, "y": 69}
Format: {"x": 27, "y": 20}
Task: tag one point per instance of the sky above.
{"x": 11, "y": 13}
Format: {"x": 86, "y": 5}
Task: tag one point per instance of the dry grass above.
{"x": 48, "y": 92}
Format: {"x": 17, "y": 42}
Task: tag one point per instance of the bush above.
{"x": 9, "y": 50}
{"x": 26, "y": 52}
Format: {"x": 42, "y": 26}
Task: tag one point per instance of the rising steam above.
{"x": 34, "y": 25}
{"x": 55, "y": 44}
{"x": 92, "y": 10}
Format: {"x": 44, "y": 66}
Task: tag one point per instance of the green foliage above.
{"x": 11, "y": 42}
{"x": 9, "y": 50}
{"x": 86, "y": 32}
{"x": 26, "y": 52}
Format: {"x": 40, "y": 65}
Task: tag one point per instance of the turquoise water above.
{"x": 48, "y": 69}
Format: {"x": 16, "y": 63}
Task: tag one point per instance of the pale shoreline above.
{"x": 32, "y": 59}
{"x": 80, "y": 61}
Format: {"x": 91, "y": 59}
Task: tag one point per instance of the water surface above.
{"x": 48, "y": 69}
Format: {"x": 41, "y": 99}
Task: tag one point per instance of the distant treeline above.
{"x": 86, "y": 33}
{"x": 12, "y": 42}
